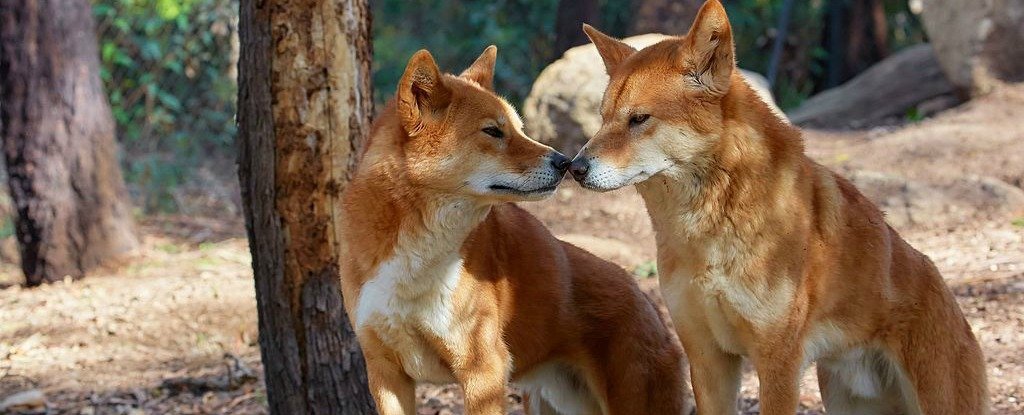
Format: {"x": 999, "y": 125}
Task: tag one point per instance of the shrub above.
{"x": 168, "y": 68}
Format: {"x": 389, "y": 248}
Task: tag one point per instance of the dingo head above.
{"x": 464, "y": 139}
{"x": 662, "y": 109}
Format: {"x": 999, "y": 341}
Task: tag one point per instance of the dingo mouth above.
{"x": 499, "y": 188}
{"x": 605, "y": 184}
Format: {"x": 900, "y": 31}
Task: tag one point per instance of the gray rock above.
{"x": 910, "y": 203}
{"x": 886, "y": 91}
{"x": 32, "y": 400}
{"x": 977, "y": 42}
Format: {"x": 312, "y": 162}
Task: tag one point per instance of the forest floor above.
{"x": 173, "y": 329}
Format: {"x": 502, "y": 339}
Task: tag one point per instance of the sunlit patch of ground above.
{"x": 120, "y": 338}
{"x": 173, "y": 330}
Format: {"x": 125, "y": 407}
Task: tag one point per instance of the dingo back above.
{"x": 764, "y": 253}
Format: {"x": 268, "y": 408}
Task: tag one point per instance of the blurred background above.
{"x": 168, "y": 66}
{"x": 918, "y": 101}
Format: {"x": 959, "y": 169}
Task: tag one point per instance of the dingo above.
{"x": 766, "y": 254}
{"x": 446, "y": 282}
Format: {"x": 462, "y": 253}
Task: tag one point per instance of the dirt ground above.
{"x": 173, "y": 330}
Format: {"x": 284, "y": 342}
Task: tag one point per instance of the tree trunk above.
{"x": 58, "y": 141}
{"x": 569, "y": 23}
{"x": 304, "y": 108}
{"x": 856, "y": 37}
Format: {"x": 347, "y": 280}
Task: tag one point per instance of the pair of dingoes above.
{"x": 762, "y": 253}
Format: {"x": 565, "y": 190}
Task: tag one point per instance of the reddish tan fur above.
{"x": 764, "y": 253}
{"x": 520, "y": 304}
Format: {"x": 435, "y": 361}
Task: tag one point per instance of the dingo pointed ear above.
{"x": 421, "y": 92}
{"x": 482, "y": 70}
{"x": 711, "y": 60}
{"x": 612, "y": 50}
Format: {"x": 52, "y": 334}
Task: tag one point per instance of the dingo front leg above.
{"x": 393, "y": 390}
{"x": 778, "y": 372}
{"x": 484, "y": 377}
{"x": 714, "y": 373}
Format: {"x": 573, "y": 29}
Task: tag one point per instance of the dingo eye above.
{"x": 638, "y": 119}
{"x": 493, "y": 132}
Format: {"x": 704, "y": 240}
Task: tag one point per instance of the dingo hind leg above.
{"x": 535, "y": 404}
{"x": 557, "y": 388}
{"x": 865, "y": 381}
{"x": 932, "y": 342}
{"x": 944, "y": 366}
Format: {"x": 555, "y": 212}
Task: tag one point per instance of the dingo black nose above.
{"x": 560, "y": 162}
{"x": 579, "y": 168}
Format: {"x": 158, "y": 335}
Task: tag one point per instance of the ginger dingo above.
{"x": 447, "y": 282}
{"x": 764, "y": 253}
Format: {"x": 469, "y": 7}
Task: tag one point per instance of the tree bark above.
{"x": 569, "y": 23}
{"x": 58, "y": 141}
{"x": 304, "y": 109}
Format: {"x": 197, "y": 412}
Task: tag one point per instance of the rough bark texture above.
{"x": 569, "y": 23}
{"x": 58, "y": 140}
{"x": 304, "y": 109}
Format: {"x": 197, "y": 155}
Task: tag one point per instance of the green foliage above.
{"x": 802, "y": 67}
{"x": 6, "y": 227}
{"x": 456, "y": 33}
{"x": 647, "y": 269}
{"x": 168, "y": 65}
{"x": 754, "y": 24}
{"x": 913, "y": 115}
{"x": 168, "y": 71}
{"x": 1019, "y": 222}
{"x": 615, "y": 17}
{"x": 905, "y": 29}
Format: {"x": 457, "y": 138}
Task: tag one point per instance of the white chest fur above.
{"x": 411, "y": 295}
{"x": 405, "y": 289}
{"x": 726, "y": 290}
{"x": 401, "y": 309}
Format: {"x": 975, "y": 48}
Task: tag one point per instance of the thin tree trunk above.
{"x": 856, "y": 37}
{"x": 569, "y": 23}
{"x": 58, "y": 141}
{"x": 304, "y": 107}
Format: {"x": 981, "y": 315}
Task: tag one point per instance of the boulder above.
{"x": 911, "y": 203}
{"x": 977, "y": 41}
{"x": 30, "y": 401}
{"x": 886, "y": 91}
{"x": 562, "y": 109}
